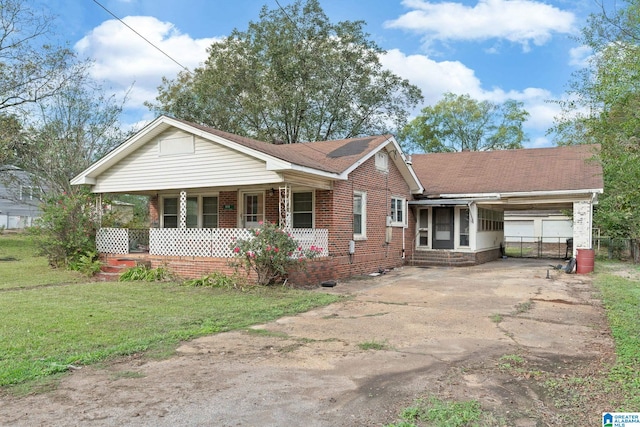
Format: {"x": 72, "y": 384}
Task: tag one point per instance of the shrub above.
{"x": 66, "y": 230}
{"x": 271, "y": 252}
{"x": 87, "y": 263}
{"x": 145, "y": 274}
{"x": 215, "y": 280}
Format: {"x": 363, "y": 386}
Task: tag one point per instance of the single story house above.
{"x": 362, "y": 200}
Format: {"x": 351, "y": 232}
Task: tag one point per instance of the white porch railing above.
{"x": 197, "y": 242}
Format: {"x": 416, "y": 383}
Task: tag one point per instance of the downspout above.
{"x": 404, "y": 227}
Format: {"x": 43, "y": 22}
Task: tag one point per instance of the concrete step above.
{"x": 440, "y": 258}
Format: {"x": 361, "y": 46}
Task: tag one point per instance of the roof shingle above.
{"x": 505, "y": 171}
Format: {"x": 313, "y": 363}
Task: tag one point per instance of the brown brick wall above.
{"x": 154, "y": 211}
{"x": 228, "y": 218}
{"x": 335, "y": 209}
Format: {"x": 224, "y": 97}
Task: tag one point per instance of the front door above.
{"x": 252, "y": 212}
{"x": 443, "y": 228}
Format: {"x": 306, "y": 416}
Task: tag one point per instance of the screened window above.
{"x": 302, "y": 210}
{"x": 170, "y": 213}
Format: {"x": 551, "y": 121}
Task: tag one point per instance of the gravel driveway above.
{"x": 433, "y": 331}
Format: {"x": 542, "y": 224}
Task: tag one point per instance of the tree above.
{"x": 460, "y": 123}
{"x": 75, "y": 127}
{"x": 10, "y": 135}
{"x": 31, "y": 69}
{"x": 602, "y": 107}
{"x": 292, "y": 76}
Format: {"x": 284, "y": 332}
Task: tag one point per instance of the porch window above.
{"x": 423, "y": 227}
{"x": 170, "y": 213}
{"x": 398, "y": 212}
{"x": 208, "y": 219}
{"x": 302, "y": 214}
{"x": 464, "y": 227}
{"x": 210, "y": 212}
{"x": 489, "y": 220}
{"x": 359, "y": 215}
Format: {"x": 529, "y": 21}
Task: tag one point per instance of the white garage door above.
{"x": 519, "y": 231}
{"x": 556, "y": 230}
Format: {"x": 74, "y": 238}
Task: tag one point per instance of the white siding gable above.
{"x": 178, "y": 159}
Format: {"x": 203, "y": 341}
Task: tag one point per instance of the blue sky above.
{"x": 490, "y": 49}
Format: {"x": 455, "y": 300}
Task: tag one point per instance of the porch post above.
{"x": 582, "y": 220}
{"x": 285, "y": 206}
{"x": 99, "y": 210}
{"x": 182, "y": 223}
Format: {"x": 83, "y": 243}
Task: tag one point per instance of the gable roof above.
{"x": 336, "y": 156}
{"x": 330, "y": 159}
{"x": 559, "y": 169}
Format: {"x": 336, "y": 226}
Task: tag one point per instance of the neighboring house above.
{"x": 361, "y": 200}
{"x": 547, "y": 226}
{"x": 19, "y": 198}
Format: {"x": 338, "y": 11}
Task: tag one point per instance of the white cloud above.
{"x": 122, "y": 58}
{"x": 579, "y": 56}
{"x": 436, "y": 78}
{"x": 518, "y": 21}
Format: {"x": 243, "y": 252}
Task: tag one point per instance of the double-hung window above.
{"x": 202, "y": 212}
{"x": 398, "y": 214}
{"x": 302, "y": 207}
{"x": 359, "y": 215}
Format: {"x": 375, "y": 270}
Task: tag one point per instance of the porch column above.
{"x": 285, "y": 206}
{"x": 182, "y": 221}
{"x": 99, "y": 209}
{"x": 582, "y": 224}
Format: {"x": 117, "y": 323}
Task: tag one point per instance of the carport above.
{"x": 466, "y": 194}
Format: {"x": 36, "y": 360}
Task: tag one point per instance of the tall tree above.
{"x": 31, "y": 68}
{"x": 292, "y": 76}
{"x": 460, "y": 123}
{"x": 75, "y": 127}
{"x": 602, "y": 107}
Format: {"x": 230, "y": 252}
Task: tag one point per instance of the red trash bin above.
{"x": 584, "y": 261}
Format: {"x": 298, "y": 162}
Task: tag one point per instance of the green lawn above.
{"x": 44, "y": 329}
{"x": 621, "y": 297}
{"x": 19, "y": 267}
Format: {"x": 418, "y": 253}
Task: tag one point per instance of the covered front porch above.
{"x": 194, "y": 242}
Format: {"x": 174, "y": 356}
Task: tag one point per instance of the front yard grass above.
{"x": 46, "y": 330}
{"x": 621, "y": 297}
{"x": 20, "y": 267}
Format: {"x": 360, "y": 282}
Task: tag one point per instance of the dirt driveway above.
{"x": 491, "y": 333}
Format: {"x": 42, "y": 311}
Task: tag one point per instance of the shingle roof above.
{"x": 327, "y": 156}
{"x": 504, "y": 171}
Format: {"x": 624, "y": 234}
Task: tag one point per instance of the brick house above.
{"x": 361, "y": 200}
{"x": 207, "y": 187}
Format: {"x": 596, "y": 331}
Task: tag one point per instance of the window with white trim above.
{"x": 464, "y": 227}
{"x": 302, "y": 209}
{"x": 202, "y": 212}
{"x": 398, "y": 214}
{"x": 359, "y": 215}
{"x": 209, "y": 212}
